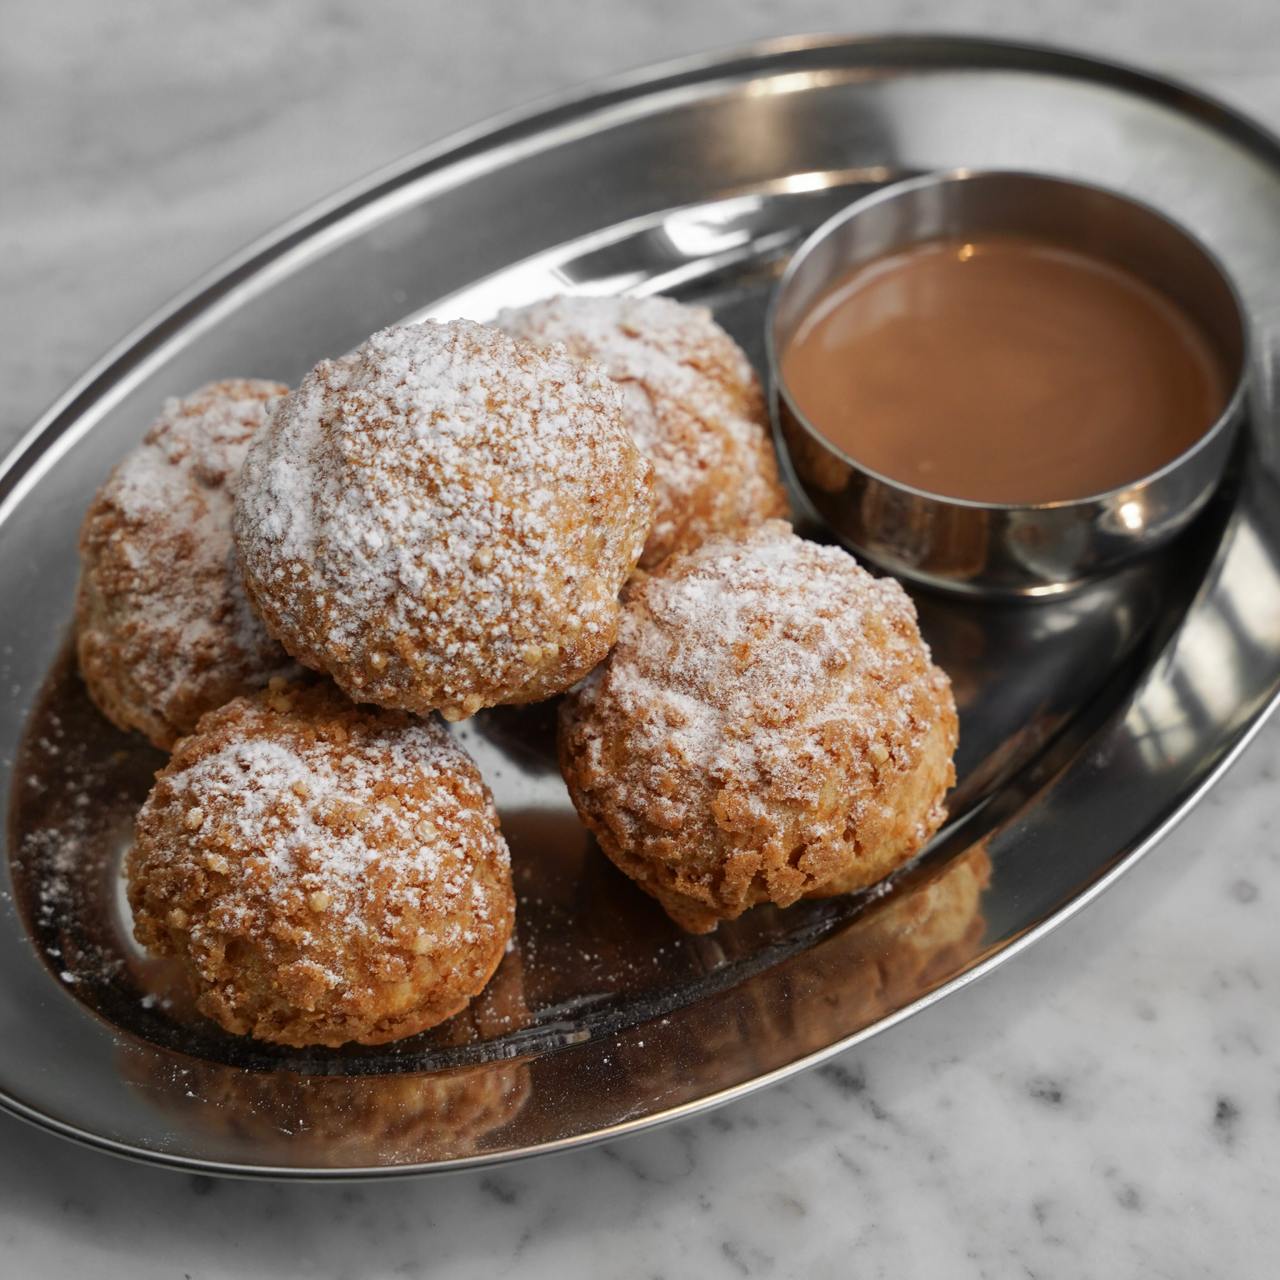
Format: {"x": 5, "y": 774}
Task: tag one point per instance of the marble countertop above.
{"x": 1107, "y": 1105}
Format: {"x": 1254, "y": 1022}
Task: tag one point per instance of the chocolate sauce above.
{"x": 1003, "y": 369}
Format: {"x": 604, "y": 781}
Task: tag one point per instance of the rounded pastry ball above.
{"x": 444, "y": 520}
{"x": 769, "y": 725}
{"x": 325, "y": 872}
{"x": 164, "y": 629}
{"x": 693, "y": 405}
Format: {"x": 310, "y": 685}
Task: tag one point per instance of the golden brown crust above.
{"x": 444, "y": 520}
{"x": 164, "y": 631}
{"x": 768, "y": 726}
{"x": 327, "y": 872}
{"x": 692, "y": 403}
{"x": 889, "y": 833}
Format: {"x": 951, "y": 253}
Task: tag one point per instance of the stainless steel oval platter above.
{"x": 1089, "y": 724}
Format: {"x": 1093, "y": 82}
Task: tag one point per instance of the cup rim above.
{"x": 1229, "y": 414}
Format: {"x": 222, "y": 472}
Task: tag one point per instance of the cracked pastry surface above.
{"x": 769, "y": 726}
{"x": 164, "y": 631}
{"x": 443, "y": 521}
{"x": 692, "y": 403}
{"x": 325, "y": 872}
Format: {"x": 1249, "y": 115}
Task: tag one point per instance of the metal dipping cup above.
{"x": 992, "y": 548}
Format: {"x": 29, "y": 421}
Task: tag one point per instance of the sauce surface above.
{"x": 1003, "y": 369}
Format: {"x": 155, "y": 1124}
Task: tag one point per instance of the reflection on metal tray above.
{"x": 1088, "y": 724}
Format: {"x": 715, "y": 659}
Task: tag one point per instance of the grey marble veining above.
{"x": 1107, "y": 1105}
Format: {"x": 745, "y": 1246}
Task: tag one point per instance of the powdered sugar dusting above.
{"x": 693, "y": 405}
{"x": 360, "y": 833}
{"x": 780, "y": 626}
{"x": 769, "y": 725}
{"x": 445, "y": 518}
{"x": 325, "y": 873}
{"x": 166, "y": 629}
